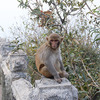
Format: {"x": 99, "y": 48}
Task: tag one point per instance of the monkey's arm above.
{"x": 65, "y": 74}
{"x": 52, "y": 69}
{"x": 61, "y": 65}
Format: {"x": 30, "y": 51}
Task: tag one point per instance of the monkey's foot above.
{"x": 59, "y": 80}
{"x": 65, "y": 74}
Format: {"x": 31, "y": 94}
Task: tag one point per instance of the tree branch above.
{"x": 89, "y": 74}
{"x": 91, "y": 10}
{"x": 58, "y": 12}
{"x": 29, "y": 7}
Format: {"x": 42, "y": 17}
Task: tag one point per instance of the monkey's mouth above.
{"x": 54, "y": 47}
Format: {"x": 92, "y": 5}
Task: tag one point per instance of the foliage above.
{"x": 82, "y": 62}
{"x": 1, "y": 29}
{"x": 80, "y": 51}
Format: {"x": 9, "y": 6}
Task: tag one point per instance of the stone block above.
{"x": 45, "y": 89}
{"x": 17, "y": 64}
{"x": 49, "y": 89}
{"x": 22, "y": 89}
{"x": 6, "y": 48}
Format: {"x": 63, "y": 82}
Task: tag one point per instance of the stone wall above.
{"x": 16, "y": 83}
{"x": 1, "y": 43}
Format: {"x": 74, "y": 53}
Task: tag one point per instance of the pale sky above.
{"x": 10, "y": 14}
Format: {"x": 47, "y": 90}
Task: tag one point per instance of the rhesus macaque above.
{"x": 48, "y": 58}
{"x": 45, "y": 16}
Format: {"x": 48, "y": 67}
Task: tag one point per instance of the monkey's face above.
{"x": 54, "y": 40}
{"x": 54, "y": 44}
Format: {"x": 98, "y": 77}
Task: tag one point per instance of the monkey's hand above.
{"x": 59, "y": 80}
{"x": 65, "y": 74}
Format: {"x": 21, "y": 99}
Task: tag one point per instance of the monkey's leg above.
{"x": 65, "y": 74}
{"x": 62, "y": 73}
{"x": 59, "y": 71}
{"x": 44, "y": 71}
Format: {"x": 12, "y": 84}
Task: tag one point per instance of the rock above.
{"x": 22, "y": 89}
{"x": 45, "y": 89}
{"x": 49, "y": 89}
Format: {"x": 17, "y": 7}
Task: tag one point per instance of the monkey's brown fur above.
{"x": 48, "y": 59}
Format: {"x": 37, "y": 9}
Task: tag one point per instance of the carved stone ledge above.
{"x": 45, "y": 89}
{"x": 49, "y": 89}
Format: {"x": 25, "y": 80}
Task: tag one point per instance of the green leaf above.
{"x": 61, "y": 5}
{"x": 72, "y": 55}
{"x": 97, "y": 36}
{"x": 87, "y": 58}
{"x": 86, "y": 98}
{"x": 50, "y": 2}
{"x": 44, "y": 35}
{"x": 74, "y": 9}
{"x": 45, "y": 1}
{"x": 82, "y": 92}
{"x": 2, "y": 29}
{"x": 96, "y": 39}
{"x": 36, "y": 11}
{"x": 84, "y": 77}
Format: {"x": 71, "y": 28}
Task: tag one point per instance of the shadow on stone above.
{"x": 54, "y": 98}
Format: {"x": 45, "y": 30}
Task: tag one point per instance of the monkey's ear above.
{"x": 47, "y": 38}
{"x": 62, "y": 39}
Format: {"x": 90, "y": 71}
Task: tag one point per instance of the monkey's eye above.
{"x": 51, "y": 40}
{"x": 56, "y": 40}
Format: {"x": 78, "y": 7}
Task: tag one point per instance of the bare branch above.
{"x": 91, "y": 10}
{"x": 30, "y": 7}
{"x": 58, "y": 12}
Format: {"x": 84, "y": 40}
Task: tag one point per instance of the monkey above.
{"x": 48, "y": 58}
